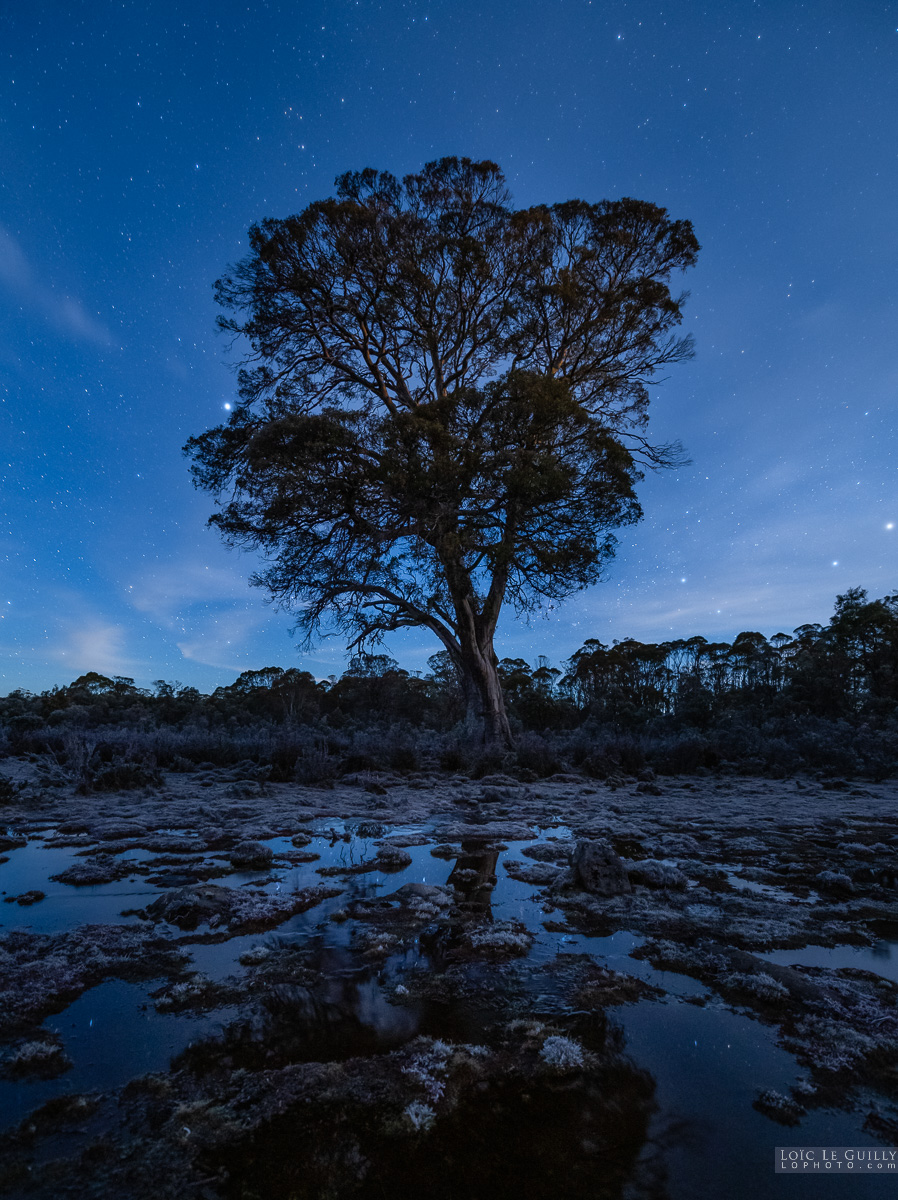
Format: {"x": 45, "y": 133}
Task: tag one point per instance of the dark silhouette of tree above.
{"x": 851, "y": 665}
{"x": 444, "y": 404}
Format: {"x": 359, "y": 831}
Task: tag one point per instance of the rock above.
{"x": 233, "y": 908}
{"x": 393, "y": 858}
{"x": 549, "y": 852}
{"x": 414, "y": 894}
{"x": 116, "y": 831}
{"x": 834, "y": 881}
{"x": 656, "y": 874}
{"x": 489, "y": 831}
{"x": 102, "y": 869}
{"x": 251, "y": 854}
{"x": 647, "y": 788}
{"x": 26, "y": 898}
{"x": 536, "y": 874}
{"x": 597, "y": 869}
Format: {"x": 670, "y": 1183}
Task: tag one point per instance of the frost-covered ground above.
{"x": 557, "y": 988}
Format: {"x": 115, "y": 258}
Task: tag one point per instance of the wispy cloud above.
{"x": 166, "y": 594}
{"x": 219, "y": 641}
{"x": 94, "y": 645}
{"x": 211, "y": 608}
{"x": 67, "y": 313}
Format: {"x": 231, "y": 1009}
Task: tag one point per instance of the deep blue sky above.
{"x": 139, "y": 140}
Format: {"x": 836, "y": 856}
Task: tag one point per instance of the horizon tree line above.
{"x": 847, "y": 668}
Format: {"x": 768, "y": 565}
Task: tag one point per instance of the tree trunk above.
{"x": 484, "y": 701}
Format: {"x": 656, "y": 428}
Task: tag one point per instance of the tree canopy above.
{"x": 444, "y": 403}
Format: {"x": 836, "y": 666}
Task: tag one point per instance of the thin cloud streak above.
{"x": 167, "y": 593}
{"x": 65, "y": 312}
{"x": 97, "y": 646}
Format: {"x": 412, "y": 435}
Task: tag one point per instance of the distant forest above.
{"x": 822, "y": 699}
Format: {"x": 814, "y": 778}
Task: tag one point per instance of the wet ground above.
{"x": 228, "y": 993}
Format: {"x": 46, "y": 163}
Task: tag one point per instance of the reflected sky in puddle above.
{"x": 112, "y": 1033}
{"x": 762, "y": 889}
{"x": 709, "y": 1063}
{"x": 65, "y": 907}
{"x": 881, "y": 958}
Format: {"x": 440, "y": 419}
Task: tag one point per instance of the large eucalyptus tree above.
{"x": 443, "y": 403}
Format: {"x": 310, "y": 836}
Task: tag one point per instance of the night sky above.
{"x": 138, "y": 142}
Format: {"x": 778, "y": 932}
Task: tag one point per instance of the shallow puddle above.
{"x": 881, "y": 958}
{"x": 708, "y": 1063}
{"x": 111, "y": 1033}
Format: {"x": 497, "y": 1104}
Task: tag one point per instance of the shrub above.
{"x": 535, "y": 753}
{"x": 489, "y": 762}
{"x": 121, "y": 776}
{"x": 451, "y": 759}
{"x": 404, "y": 758}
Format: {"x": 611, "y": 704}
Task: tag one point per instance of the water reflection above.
{"x": 473, "y": 877}
{"x": 316, "y": 998}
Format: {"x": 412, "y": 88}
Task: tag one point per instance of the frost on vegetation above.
{"x": 672, "y": 956}
{"x": 38, "y": 1058}
{"x": 205, "y": 1123}
{"x": 39, "y": 970}
{"x": 778, "y": 1107}
{"x": 420, "y": 1116}
{"x": 657, "y": 874}
{"x": 103, "y": 868}
{"x": 835, "y": 881}
{"x": 428, "y": 1068}
{"x": 561, "y": 1053}
{"x": 251, "y": 854}
{"x": 679, "y": 843}
{"x": 760, "y": 985}
{"x": 536, "y": 873}
{"x": 830, "y": 1045}
{"x": 838, "y": 1034}
{"x": 549, "y": 852}
{"x": 501, "y": 939}
{"x": 188, "y": 993}
{"x": 392, "y": 858}
{"x": 746, "y": 845}
{"x": 255, "y": 955}
{"x": 235, "y": 908}
{"x": 374, "y": 943}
